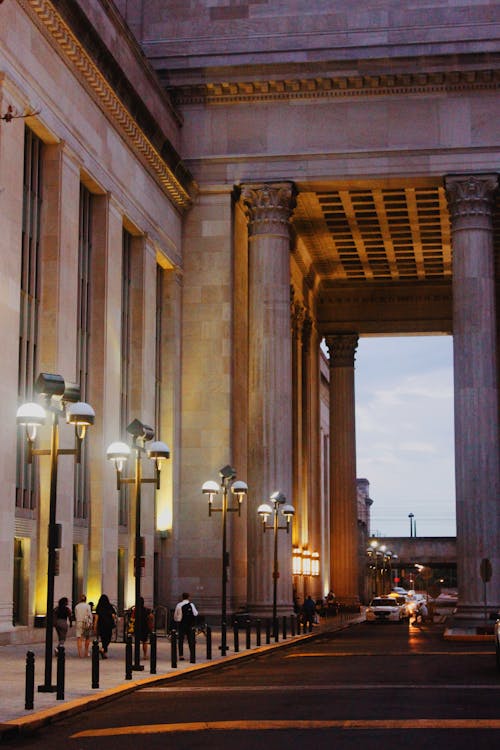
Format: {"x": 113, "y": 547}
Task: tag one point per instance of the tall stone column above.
{"x": 343, "y": 498}
{"x": 477, "y": 469}
{"x": 269, "y": 207}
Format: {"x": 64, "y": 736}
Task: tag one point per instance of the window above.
{"x": 26, "y": 474}
{"x": 125, "y": 360}
{"x": 81, "y": 502}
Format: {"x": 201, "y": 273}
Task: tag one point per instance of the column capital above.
{"x": 471, "y": 200}
{"x": 342, "y": 348}
{"x": 268, "y": 207}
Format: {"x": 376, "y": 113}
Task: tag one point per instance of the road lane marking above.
{"x": 314, "y": 688}
{"x": 266, "y": 725}
{"x": 327, "y": 655}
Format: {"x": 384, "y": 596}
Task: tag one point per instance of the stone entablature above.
{"x": 325, "y": 87}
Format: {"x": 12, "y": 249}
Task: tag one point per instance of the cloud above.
{"x": 404, "y": 431}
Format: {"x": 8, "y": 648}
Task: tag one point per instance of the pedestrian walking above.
{"x": 185, "y": 615}
{"x": 105, "y": 622}
{"x": 309, "y": 612}
{"x": 84, "y": 620}
{"x": 146, "y": 625}
{"x": 62, "y": 620}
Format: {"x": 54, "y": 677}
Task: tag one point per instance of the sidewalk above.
{"x": 79, "y": 695}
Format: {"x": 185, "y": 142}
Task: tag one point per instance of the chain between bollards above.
{"x": 29, "y": 692}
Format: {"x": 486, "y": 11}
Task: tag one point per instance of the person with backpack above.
{"x": 185, "y": 615}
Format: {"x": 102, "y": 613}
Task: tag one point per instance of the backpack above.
{"x": 188, "y": 617}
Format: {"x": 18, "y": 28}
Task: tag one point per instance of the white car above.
{"x": 405, "y": 602}
{"x": 384, "y": 609}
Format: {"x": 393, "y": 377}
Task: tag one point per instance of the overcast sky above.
{"x": 404, "y": 433}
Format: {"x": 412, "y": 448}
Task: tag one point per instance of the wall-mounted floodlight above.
{"x": 140, "y": 431}
{"x": 50, "y": 385}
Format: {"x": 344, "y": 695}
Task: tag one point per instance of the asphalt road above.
{"x": 379, "y": 685}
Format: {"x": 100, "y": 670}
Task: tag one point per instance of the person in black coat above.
{"x": 105, "y": 622}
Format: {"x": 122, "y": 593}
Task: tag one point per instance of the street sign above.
{"x": 485, "y": 570}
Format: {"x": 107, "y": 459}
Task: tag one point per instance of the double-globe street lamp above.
{"x": 118, "y": 453}
{"x": 59, "y": 398}
{"x": 275, "y": 507}
{"x": 238, "y": 490}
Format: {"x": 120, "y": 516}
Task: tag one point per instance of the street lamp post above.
{"x": 118, "y": 453}
{"x": 277, "y": 502}
{"x": 59, "y": 398}
{"x": 411, "y": 516}
{"x": 239, "y": 489}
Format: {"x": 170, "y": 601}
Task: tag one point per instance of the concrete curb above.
{"x": 27, "y": 724}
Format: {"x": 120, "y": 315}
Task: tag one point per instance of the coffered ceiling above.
{"x": 375, "y": 234}
{"x": 379, "y": 257}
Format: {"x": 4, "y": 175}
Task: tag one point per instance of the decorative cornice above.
{"x": 238, "y": 92}
{"x": 268, "y": 207}
{"x": 62, "y": 38}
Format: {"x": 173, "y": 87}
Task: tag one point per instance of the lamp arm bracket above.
{"x": 66, "y": 452}
{"x": 40, "y": 451}
{"x": 149, "y": 480}
{"x": 127, "y": 480}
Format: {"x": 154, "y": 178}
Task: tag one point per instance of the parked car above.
{"x": 497, "y": 642}
{"x": 384, "y": 609}
{"x": 405, "y": 602}
{"x": 399, "y": 590}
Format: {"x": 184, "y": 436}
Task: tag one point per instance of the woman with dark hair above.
{"x": 105, "y": 622}
{"x": 62, "y": 620}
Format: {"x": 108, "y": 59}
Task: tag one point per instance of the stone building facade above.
{"x": 200, "y": 194}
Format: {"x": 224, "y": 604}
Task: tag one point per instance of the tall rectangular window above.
{"x": 160, "y": 274}
{"x": 29, "y": 306}
{"x": 125, "y": 360}
{"x": 81, "y": 502}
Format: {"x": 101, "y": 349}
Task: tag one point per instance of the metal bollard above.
{"x": 276, "y": 630}
{"x": 29, "y": 692}
{"x": 284, "y": 627}
{"x": 152, "y": 656}
{"x": 236, "y": 638}
{"x": 223, "y": 639}
{"x": 268, "y": 630}
{"x": 95, "y": 664}
{"x": 128, "y": 658}
{"x": 248, "y": 642}
{"x": 61, "y": 657}
{"x": 173, "y": 649}
{"x": 209, "y": 642}
{"x": 192, "y": 646}
{"x": 292, "y": 625}
{"x": 257, "y": 633}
